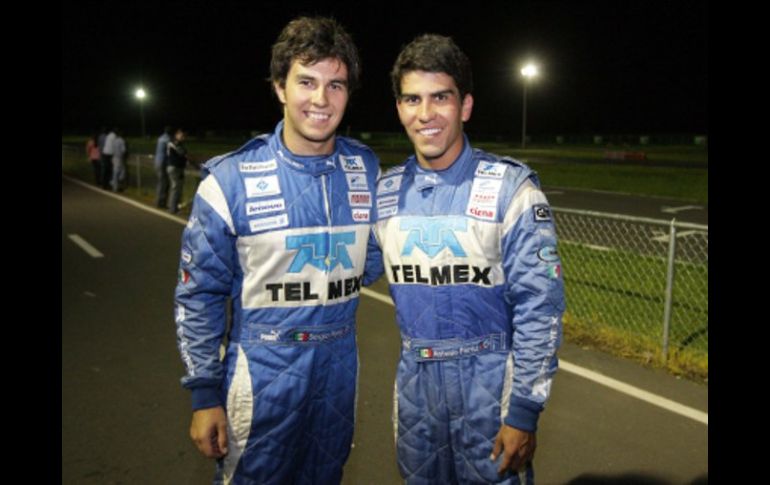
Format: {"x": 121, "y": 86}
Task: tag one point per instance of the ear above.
{"x": 280, "y": 91}
{"x": 467, "y": 107}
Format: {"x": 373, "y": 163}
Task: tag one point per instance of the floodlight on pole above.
{"x": 529, "y": 71}
{"x": 140, "y": 95}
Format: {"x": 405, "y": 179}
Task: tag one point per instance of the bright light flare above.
{"x": 530, "y": 70}
{"x": 140, "y": 94}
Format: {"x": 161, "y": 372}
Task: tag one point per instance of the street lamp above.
{"x": 529, "y": 71}
{"x": 140, "y": 95}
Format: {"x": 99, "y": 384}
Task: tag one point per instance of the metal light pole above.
{"x": 140, "y": 95}
{"x": 529, "y": 71}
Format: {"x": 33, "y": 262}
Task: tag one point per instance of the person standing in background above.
{"x": 95, "y": 157}
{"x": 118, "y": 161}
{"x": 161, "y": 191}
{"x": 107, "y": 150}
{"x": 176, "y": 162}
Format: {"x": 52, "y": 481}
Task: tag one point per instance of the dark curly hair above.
{"x": 313, "y": 39}
{"x": 433, "y": 53}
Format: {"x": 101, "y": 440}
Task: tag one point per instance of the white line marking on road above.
{"x": 674, "y": 210}
{"x": 632, "y": 391}
{"x": 377, "y": 296}
{"x": 614, "y": 384}
{"x": 85, "y": 246}
{"x": 121, "y": 198}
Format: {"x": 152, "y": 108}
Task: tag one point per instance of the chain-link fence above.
{"x": 637, "y": 285}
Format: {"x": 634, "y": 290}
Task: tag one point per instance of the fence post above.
{"x": 138, "y": 173}
{"x": 669, "y": 289}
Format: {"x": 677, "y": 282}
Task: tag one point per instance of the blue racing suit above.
{"x": 470, "y": 255}
{"x": 284, "y": 237}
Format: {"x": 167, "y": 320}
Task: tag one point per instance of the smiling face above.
{"x": 314, "y": 98}
{"x": 432, "y": 113}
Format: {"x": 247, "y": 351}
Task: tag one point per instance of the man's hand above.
{"x": 518, "y": 448}
{"x": 208, "y": 431}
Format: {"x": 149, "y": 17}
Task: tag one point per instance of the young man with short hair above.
{"x": 280, "y": 226}
{"x": 469, "y": 248}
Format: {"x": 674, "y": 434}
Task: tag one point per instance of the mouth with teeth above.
{"x": 318, "y": 116}
{"x": 429, "y": 132}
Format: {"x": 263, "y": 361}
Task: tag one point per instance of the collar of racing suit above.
{"x": 426, "y": 178}
{"x": 314, "y": 165}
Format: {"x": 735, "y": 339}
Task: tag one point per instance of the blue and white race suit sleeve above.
{"x": 535, "y": 291}
{"x": 206, "y": 273}
{"x": 375, "y": 266}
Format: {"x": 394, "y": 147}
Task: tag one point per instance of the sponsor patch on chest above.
{"x": 360, "y": 199}
{"x": 389, "y": 185}
{"x": 357, "y": 181}
{"x": 265, "y": 206}
{"x": 253, "y": 167}
{"x": 257, "y": 225}
{"x": 484, "y": 197}
{"x": 352, "y": 164}
{"x": 491, "y": 169}
{"x": 360, "y": 215}
{"x": 262, "y": 186}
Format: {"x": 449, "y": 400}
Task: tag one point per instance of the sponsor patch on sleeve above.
{"x": 548, "y": 254}
{"x": 542, "y": 213}
{"x": 186, "y": 255}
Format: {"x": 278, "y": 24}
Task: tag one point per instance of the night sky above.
{"x": 626, "y": 67}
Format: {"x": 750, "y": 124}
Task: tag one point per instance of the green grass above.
{"x": 615, "y": 299}
{"x": 686, "y": 184}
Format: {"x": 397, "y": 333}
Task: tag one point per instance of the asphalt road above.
{"x": 125, "y": 417}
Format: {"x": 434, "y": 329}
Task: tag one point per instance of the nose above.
{"x": 425, "y": 111}
{"x": 319, "y": 96}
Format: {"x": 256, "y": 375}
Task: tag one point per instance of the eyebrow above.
{"x": 307, "y": 77}
{"x": 445, "y": 91}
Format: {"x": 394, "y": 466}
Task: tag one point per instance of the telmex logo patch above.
{"x": 323, "y": 251}
{"x": 433, "y": 235}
